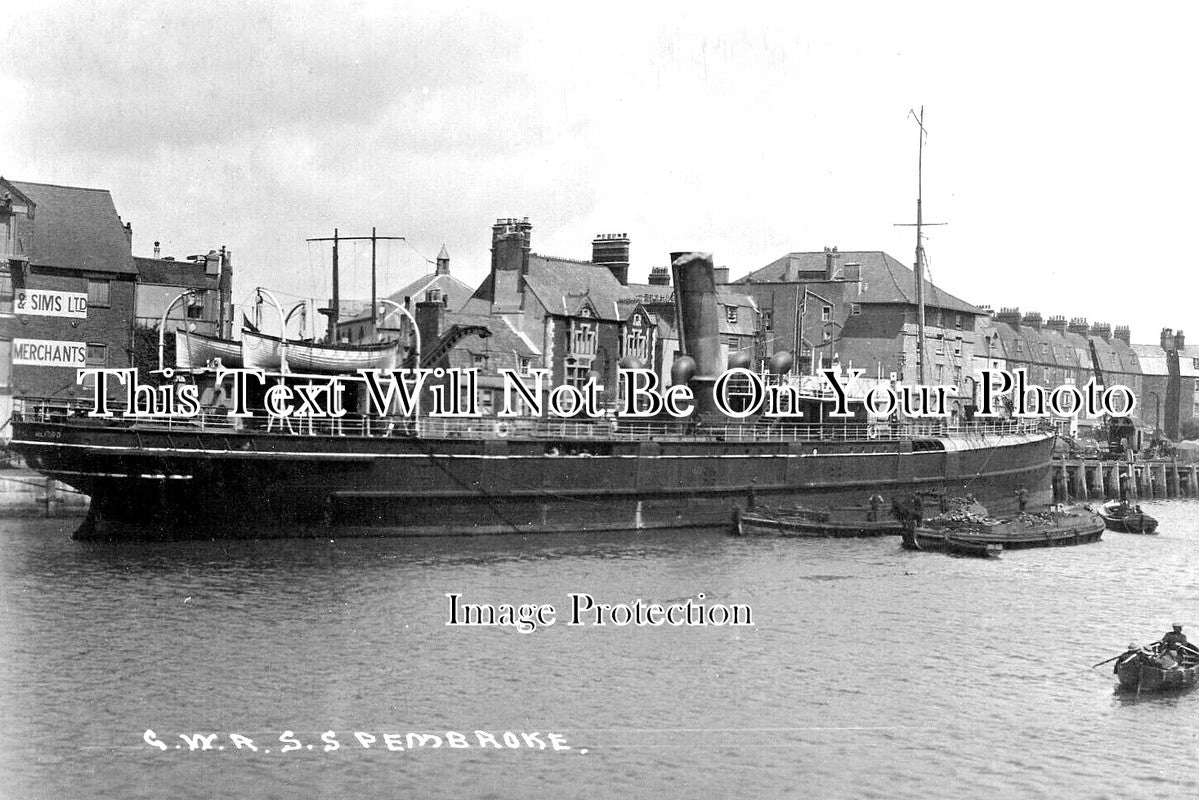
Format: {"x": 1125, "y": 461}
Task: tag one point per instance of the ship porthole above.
{"x": 503, "y": 428}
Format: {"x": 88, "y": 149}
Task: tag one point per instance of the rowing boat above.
{"x": 809, "y": 524}
{"x": 1119, "y": 516}
{"x": 927, "y": 540}
{"x": 1139, "y": 674}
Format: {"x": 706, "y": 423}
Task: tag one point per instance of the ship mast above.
{"x": 335, "y": 312}
{"x": 919, "y": 224}
{"x": 920, "y": 251}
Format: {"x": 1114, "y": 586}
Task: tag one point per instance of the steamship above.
{"x": 218, "y": 476}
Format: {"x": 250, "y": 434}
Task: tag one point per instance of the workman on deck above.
{"x": 876, "y": 505}
{"x": 1022, "y": 498}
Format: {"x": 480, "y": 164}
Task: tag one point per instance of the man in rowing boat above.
{"x": 1134, "y": 653}
{"x": 1175, "y": 642}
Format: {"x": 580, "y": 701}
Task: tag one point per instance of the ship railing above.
{"x": 609, "y": 428}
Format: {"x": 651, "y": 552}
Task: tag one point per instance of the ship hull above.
{"x": 152, "y": 483}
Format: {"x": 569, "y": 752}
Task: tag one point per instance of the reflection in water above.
{"x": 871, "y": 672}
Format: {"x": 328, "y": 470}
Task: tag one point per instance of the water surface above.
{"x": 869, "y": 672}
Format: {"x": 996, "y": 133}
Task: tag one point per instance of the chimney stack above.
{"x": 212, "y": 264}
{"x": 511, "y": 243}
{"x": 1180, "y": 340}
{"x": 1167, "y": 340}
{"x": 721, "y": 274}
{"x": 1009, "y": 316}
{"x": 611, "y": 250}
{"x": 1033, "y": 320}
{"x": 830, "y": 257}
{"x": 1056, "y": 323}
{"x": 659, "y": 276}
{"x": 1124, "y": 334}
{"x": 1079, "y": 325}
{"x": 1102, "y": 330}
{"x": 443, "y": 262}
{"x": 157, "y": 249}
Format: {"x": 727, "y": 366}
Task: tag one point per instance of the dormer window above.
{"x": 730, "y": 314}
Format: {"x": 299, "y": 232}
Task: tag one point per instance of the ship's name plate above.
{"x": 46, "y": 353}
{"x": 45, "y": 303}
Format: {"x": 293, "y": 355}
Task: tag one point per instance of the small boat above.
{"x": 807, "y": 523}
{"x": 196, "y": 351}
{"x": 1146, "y": 673}
{"x": 933, "y": 541}
{"x": 1120, "y": 516}
{"x": 1052, "y": 528}
{"x": 267, "y": 353}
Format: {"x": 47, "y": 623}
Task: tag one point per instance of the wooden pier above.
{"x": 1091, "y": 479}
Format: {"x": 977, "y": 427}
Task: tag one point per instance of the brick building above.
{"x": 209, "y": 277}
{"x": 858, "y": 309}
{"x": 69, "y": 269}
{"x": 580, "y": 317}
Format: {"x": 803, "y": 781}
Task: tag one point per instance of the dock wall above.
{"x": 27, "y": 494}
{"x": 1082, "y": 480}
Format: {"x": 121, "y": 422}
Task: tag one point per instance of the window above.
{"x": 732, "y": 342}
{"x": 730, "y": 314}
{"x": 97, "y": 293}
{"x": 97, "y": 355}
{"x": 855, "y": 309}
{"x": 583, "y": 338}
{"x": 768, "y": 323}
{"x": 828, "y": 336}
{"x": 957, "y": 347}
{"x": 1195, "y": 363}
{"x": 195, "y": 306}
{"x": 940, "y": 373}
{"x": 826, "y": 313}
{"x": 5, "y": 361}
{"x": 6, "y": 291}
{"x": 957, "y": 320}
{"x": 479, "y": 360}
{"x": 940, "y": 323}
{"x": 957, "y": 376}
{"x": 636, "y": 344}
{"x": 1044, "y": 349}
{"x": 526, "y": 364}
{"x": 576, "y": 373}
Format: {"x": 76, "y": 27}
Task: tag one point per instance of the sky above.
{"x": 1060, "y": 148}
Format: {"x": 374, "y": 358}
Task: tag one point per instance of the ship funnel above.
{"x": 698, "y": 318}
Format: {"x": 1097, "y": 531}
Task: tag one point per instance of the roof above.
{"x": 504, "y": 338}
{"x": 456, "y": 290}
{"x": 184, "y": 274}
{"x": 1152, "y": 358}
{"x": 562, "y": 284}
{"x": 884, "y": 279}
{"x": 77, "y": 228}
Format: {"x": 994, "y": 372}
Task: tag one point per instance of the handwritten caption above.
{"x": 331, "y": 741}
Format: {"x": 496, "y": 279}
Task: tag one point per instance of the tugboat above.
{"x": 1121, "y": 516}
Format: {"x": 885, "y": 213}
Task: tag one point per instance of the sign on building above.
{"x": 44, "y": 303}
{"x": 44, "y": 353}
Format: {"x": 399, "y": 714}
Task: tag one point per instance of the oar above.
{"x": 1101, "y": 663}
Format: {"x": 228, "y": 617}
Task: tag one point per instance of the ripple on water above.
{"x": 870, "y": 672}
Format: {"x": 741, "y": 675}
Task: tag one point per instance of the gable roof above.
{"x": 884, "y": 279}
{"x": 456, "y": 290}
{"x": 77, "y": 228}
{"x": 561, "y": 283}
